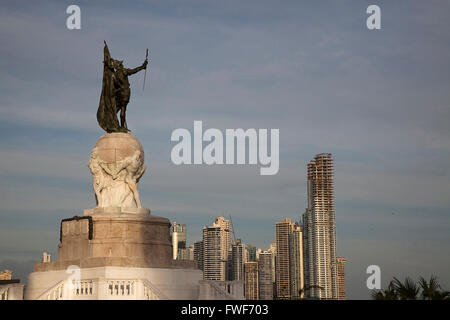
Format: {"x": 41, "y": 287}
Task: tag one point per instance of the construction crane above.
{"x": 232, "y": 229}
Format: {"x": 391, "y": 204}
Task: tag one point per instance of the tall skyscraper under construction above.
{"x": 319, "y": 230}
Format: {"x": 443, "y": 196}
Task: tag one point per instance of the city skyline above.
{"x": 377, "y": 100}
{"x": 306, "y": 263}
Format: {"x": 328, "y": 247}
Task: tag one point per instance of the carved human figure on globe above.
{"x": 117, "y": 164}
{"x": 99, "y": 178}
{"x": 115, "y": 93}
{"x": 130, "y": 170}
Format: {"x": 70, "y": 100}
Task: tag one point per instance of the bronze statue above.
{"x": 115, "y": 93}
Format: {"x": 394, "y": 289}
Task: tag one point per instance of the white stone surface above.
{"x": 116, "y": 211}
{"x": 12, "y": 291}
{"x": 117, "y": 164}
{"x": 115, "y": 283}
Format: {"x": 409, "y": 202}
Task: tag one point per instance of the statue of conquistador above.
{"x": 115, "y": 93}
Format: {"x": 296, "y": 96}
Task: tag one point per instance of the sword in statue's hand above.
{"x": 145, "y": 73}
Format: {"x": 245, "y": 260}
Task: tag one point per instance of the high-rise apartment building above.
{"x": 282, "y": 271}
{"x": 265, "y": 282}
{"x": 341, "y": 278}
{"x": 296, "y": 262}
{"x": 251, "y": 280}
{"x": 273, "y": 250}
{"x": 258, "y": 251}
{"x": 238, "y": 258}
{"x": 308, "y": 253}
{"x": 320, "y": 230}
{"x": 213, "y": 263}
{"x": 225, "y": 227}
{"x": 198, "y": 254}
{"x": 216, "y": 249}
{"x": 5, "y": 275}
{"x": 226, "y": 243}
{"x": 186, "y": 254}
{"x": 178, "y": 233}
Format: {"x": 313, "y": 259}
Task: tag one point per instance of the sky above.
{"x": 378, "y": 100}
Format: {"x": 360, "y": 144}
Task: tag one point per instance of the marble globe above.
{"x": 113, "y": 147}
{"x": 117, "y": 164}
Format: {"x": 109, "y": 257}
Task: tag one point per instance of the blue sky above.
{"x": 377, "y": 100}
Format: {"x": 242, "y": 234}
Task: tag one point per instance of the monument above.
{"x": 115, "y": 93}
{"x": 118, "y": 250}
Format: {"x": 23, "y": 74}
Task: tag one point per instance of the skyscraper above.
{"x": 216, "y": 249}
{"x": 198, "y": 254}
{"x": 225, "y": 227}
{"x": 308, "y": 266}
{"x": 341, "y": 278}
{"x": 213, "y": 264}
{"x": 238, "y": 258}
{"x": 186, "y": 254}
{"x": 251, "y": 280}
{"x": 265, "y": 283}
{"x": 178, "y": 233}
{"x": 320, "y": 230}
{"x": 282, "y": 272}
{"x": 296, "y": 262}
{"x": 258, "y": 251}
{"x": 273, "y": 250}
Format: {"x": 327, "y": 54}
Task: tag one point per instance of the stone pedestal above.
{"x": 114, "y": 253}
{"x": 113, "y": 239}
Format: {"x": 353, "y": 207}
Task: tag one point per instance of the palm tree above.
{"x": 442, "y": 295}
{"x": 407, "y": 290}
{"x": 388, "y": 294}
{"x": 430, "y": 289}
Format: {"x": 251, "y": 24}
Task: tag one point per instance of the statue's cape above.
{"x": 107, "y": 112}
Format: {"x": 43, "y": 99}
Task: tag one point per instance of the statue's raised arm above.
{"x": 137, "y": 69}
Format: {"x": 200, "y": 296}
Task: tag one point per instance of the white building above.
{"x": 296, "y": 262}
{"x": 178, "y": 234}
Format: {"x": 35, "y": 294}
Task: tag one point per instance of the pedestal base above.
{"x": 111, "y": 237}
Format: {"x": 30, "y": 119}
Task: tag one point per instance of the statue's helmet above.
{"x": 118, "y": 64}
